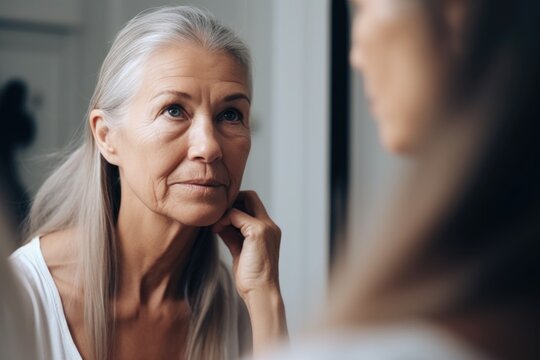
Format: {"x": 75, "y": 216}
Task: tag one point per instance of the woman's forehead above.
{"x": 190, "y": 63}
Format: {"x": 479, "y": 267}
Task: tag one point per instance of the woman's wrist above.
{"x": 267, "y": 314}
{"x": 268, "y": 297}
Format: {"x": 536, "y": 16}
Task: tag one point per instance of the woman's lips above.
{"x": 203, "y": 182}
{"x": 202, "y": 186}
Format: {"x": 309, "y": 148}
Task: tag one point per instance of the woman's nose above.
{"x": 204, "y": 144}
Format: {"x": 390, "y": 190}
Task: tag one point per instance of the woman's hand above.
{"x": 253, "y": 240}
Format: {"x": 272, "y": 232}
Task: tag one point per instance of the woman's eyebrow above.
{"x": 172, "y": 92}
{"x": 182, "y": 94}
{"x": 237, "y": 96}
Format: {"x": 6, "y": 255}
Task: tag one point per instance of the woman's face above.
{"x": 184, "y": 141}
{"x": 395, "y": 49}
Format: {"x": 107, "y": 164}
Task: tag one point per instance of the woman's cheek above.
{"x": 236, "y": 164}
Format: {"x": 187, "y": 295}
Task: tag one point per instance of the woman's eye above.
{"x": 231, "y": 116}
{"x": 175, "y": 111}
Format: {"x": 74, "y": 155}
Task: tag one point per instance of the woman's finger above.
{"x": 247, "y": 224}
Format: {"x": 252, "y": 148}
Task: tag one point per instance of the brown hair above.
{"x": 461, "y": 245}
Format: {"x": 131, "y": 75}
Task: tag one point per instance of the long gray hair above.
{"x": 84, "y": 192}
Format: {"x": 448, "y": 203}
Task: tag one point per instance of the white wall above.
{"x": 58, "y": 12}
{"x": 41, "y": 47}
{"x": 300, "y": 148}
{"x": 374, "y": 171}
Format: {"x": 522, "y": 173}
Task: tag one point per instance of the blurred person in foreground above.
{"x": 452, "y": 270}
{"x": 17, "y": 333}
{"x": 18, "y": 131}
{"x": 121, "y": 260}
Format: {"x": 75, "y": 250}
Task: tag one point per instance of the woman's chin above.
{"x": 395, "y": 147}
{"x": 200, "y": 217}
{"x": 396, "y": 143}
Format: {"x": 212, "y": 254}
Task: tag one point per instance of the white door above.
{"x": 39, "y": 42}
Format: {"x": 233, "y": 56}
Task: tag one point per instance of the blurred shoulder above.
{"x": 417, "y": 342}
{"x": 17, "y": 321}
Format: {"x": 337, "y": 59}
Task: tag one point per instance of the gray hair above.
{"x": 84, "y": 191}
{"x": 149, "y": 31}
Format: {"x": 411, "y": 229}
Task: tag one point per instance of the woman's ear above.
{"x": 103, "y": 136}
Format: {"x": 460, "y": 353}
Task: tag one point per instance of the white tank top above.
{"x": 54, "y": 340}
{"x": 53, "y": 337}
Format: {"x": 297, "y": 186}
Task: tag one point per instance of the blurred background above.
{"x": 314, "y": 146}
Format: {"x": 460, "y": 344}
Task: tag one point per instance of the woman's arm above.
{"x": 268, "y": 322}
{"x": 254, "y": 239}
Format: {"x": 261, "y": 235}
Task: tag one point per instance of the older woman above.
{"x": 122, "y": 261}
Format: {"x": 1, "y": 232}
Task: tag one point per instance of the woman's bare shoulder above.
{"x": 58, "y": 247}
{"x": 59, "y": 252}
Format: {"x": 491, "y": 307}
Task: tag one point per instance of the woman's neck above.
{"x": 153, "y": 252}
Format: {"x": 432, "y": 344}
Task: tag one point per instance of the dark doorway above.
{"x": 339, "y": 118}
